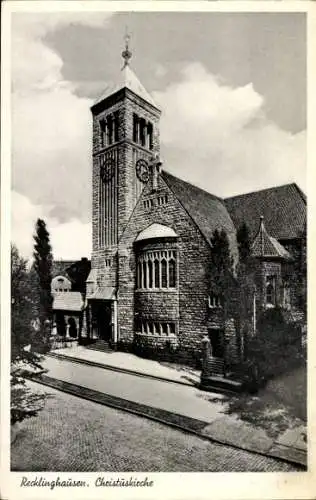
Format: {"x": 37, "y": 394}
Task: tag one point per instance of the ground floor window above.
{"x": 215, "y": 300}
{"x": 148, "y": 327}
{"x": 286, "y": 294}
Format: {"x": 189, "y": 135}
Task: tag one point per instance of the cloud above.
{"x": 218, "y": 136}
{"x": 51, "y": 125}
{"x": 160, "y": 70}
{"x": 70, "y": 240}
{"x": 214, "y": 135}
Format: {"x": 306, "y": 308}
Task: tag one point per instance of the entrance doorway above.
{"x": 102, "y": 320}
{"x": 217, "y": 342}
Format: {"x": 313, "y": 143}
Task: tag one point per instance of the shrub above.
{"x": 275, "y": 349}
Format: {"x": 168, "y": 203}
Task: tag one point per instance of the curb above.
{"x": 174, "y": 420}
{"x": 74, "y": 359}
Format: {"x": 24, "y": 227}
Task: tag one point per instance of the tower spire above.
{"x": 126, "y": 54}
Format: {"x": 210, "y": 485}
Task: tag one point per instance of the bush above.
{"x": 24, "y": 403}
{"x": 275, "y": 349}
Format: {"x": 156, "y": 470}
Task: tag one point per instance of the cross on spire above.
{"x": 126, "y": 54}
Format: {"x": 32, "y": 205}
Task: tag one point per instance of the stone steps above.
{"x": 220, "y": 384}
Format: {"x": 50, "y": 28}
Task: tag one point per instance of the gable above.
{"x": 147, "y": 216}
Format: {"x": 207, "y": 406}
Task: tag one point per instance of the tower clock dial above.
{"x": 107, "y": 168}
{"x": 142, "y": 170}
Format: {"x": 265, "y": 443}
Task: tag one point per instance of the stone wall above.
{"x": 128, "y": 188}
{"x": 193, "y": 259}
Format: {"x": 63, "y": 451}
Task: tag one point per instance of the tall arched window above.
{"x": 157, "y": 270}
{"x": 139, "y": 275}
{"x": 157, "y": 273}
{"x": 150, "y": 274}
{"x": 164, "y": 282}
{"x": 116, "y": 126}
{"x": 172, "y": 273}
{"x": 109, "y": 130}
{"x": 103, "y": 133}
{"x": 270, "y": 291}
{"x": 144, "y": 275}
{"x": 142, "y": 132}
{"x": 135, "y": 128}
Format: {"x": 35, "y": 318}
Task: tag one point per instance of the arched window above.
{"x": 109, "y": 130}
{"x": 144, "y": 275}
{"x": 172, "y": 273}
{"x": 157, "y": 273}
{"x": 164, "y": 328}
{"x": 135, "y": 127}
{"x": 157, "y": 270}
{"x": 116, "y": 126}
{"x": 139, "y": 275}
{"x": 164, "y": 281}
{"x": 150, "y": 274}
{"x": 172, "y": 328}
{"x": 270, "y": 291}
{"x": 103, "y": 133}
{"x": 150, "y": 135}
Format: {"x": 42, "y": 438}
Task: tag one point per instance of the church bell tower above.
{"x": 125, "y": 139}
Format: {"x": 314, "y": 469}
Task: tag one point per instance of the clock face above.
{"x": 107, "y": 168}
{"x": 142, "y": 170}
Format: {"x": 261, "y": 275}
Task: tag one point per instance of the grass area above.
{"x": 277, "y": 407}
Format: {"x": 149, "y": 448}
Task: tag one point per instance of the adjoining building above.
{"x": 68, "y": 290}
{"x": 149, "y": 283}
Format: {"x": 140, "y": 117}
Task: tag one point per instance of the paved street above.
{"x": 187, "y": 401}
{"x": 71, "y": 434}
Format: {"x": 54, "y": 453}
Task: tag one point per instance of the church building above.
{"x": 149, "y": 282}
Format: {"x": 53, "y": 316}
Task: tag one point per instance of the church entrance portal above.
{"x": 102, "y": 320}
{"x": 217, "y": 342}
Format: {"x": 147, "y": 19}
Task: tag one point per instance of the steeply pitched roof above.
{"x": 68, "y": 301}
{"x": 103, "y": 293}
{"x": 265, "y": 245}
{"x": 207, "y": 211}
{"x": 283, "y": 208}
{"x": 126, "y": 78}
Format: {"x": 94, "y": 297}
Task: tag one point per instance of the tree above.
{"x": 243, "y": 242}
{"x": 221, "y": 262}
{"x": 78, "y": 273}
{"x": 246, "y": 286}
{"x": 43, "y": 261}
{"x": 23, "y": 402}
{"x": 221, "y": 276}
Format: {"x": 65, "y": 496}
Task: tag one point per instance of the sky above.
{"x": 231, "y": 87}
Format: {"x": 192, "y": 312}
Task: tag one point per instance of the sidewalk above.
{"x": 174, "y": 404}
{"x": 129, "y": 363}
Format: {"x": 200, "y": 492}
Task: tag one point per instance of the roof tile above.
{"x": 283, "y": 208}
{"x": 68, "y": 301}
{"x": 207, "y": 211}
